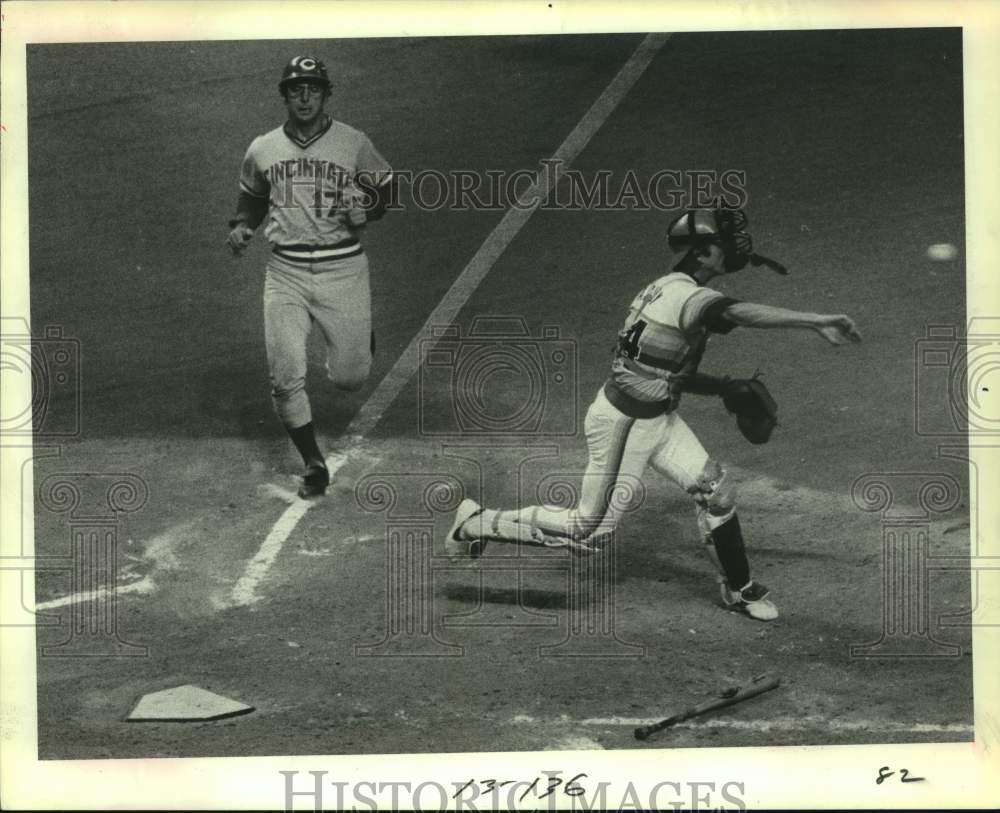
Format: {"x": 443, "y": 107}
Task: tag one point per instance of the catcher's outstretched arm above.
{"x": 835, "y": 328}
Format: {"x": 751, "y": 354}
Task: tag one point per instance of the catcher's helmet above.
{"x": 304, "y": 68}
{"x": 722, "y": 227}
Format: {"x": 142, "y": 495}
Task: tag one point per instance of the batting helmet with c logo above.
{"x": 304, "y": 68}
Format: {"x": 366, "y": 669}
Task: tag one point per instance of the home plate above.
{"x": 185, "y": 703}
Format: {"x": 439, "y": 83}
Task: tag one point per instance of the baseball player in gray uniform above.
{"x": 316, "y": 182}
{"x": 633, "y": 422}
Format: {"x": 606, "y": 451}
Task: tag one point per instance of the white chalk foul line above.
{"x": 504, "y": 232}
{"x": 142, "y": 586}
{"x": 245, "y": 590}
{"x": 461, "y": 289}
{"x": 159, "y": 553}
{"x": 775, "y": 724}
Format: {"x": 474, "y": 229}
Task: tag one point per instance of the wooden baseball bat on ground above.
{"x": 727, "y": 697}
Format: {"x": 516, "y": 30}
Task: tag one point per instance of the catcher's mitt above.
{"x": 756, "y": 411}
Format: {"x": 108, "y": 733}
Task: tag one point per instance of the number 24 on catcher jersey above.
{"x": 664, "y": 335}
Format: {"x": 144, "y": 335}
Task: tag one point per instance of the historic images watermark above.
{"x": 569, "y": 189}
{"x": 42, "y": 409}
{"x": 494, "y": 389}
{"x": 47, "y": 367}
{"x": 417, "y": 509}
{"x": 499, "y": 190}
{"x": 93, "y": 505}
{"x": 545, "y": 790}
{"x": 956, "y": 379}
{"x": 906, "y": 503}
{"x": 956, "y": 385}
{"x": 538, "y": 391}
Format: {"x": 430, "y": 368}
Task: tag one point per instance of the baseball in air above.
{"x": 942, "y": 252}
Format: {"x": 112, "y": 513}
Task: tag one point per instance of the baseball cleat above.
{"x": 458, "y": 543}
{"x": 752, "y": 600}
{"x": 314, "y": 481}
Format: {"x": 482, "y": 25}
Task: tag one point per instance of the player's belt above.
{"x": 305, "y": 253}
{"x": 631, "y": 406}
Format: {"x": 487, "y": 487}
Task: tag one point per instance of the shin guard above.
{"x": 731, "y": 553}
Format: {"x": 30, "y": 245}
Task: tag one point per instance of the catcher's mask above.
{"x": 726, "y": 228}
{"x": 304, "y": 68}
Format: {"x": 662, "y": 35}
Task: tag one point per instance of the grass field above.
{"x": 852, "y": 146}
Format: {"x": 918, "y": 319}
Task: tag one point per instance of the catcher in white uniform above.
{"x": 633, "y": 422}
{"x": 317, "y": 181}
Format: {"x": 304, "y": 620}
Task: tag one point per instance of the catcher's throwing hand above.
{"x": 238, "y": 238}
{"x": 838, "y": 329}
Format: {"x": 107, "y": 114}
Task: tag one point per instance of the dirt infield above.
{"x": 358, "y": 636}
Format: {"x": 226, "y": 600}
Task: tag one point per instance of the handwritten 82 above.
{"x": 904, "y": 775}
